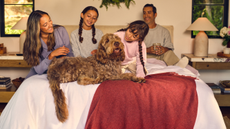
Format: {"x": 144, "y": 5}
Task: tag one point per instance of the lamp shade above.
{"x": 201, "y": 40}
{"x": 21, "y": 24}
{"x": 202, "y": 24}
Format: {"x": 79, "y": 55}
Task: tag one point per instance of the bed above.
{"x": 32, "y": 106}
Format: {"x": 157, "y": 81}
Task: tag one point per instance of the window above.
{"x": 11, "y": 12}
{"x": 216, "y": 12}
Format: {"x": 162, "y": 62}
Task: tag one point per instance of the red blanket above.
{"x": 165, "y": 101}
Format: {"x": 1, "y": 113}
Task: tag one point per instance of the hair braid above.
{"x": 80, "y": 30}
{"x": 93, "y": 34}
{"x": 141, "y": 56}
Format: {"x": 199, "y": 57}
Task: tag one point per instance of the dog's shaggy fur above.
{"x": 104, "y": 65}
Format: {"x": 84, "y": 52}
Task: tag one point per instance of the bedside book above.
{"x": 225, "y": 86}
{"x": 5, "y": 82}
{"x": 215, "y": 88}
{"x": 5, "y": 86}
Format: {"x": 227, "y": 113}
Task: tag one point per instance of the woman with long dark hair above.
{"x": 43, "y": 42}
{"x": 85, "y": 39}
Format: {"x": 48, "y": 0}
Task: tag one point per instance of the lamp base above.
{"x": 201, "y": 44}
{"x": 22, "y": 39}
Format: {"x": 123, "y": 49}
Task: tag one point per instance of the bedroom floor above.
{"x": 225, "y": 111}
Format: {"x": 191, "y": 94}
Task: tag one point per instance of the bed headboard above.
{"x": 113, "y": 28}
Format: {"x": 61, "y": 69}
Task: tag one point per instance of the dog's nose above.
{"x": 116, "y": 44}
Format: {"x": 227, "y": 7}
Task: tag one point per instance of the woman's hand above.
{"x": 59, "y": 51}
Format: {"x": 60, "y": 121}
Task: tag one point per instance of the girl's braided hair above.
{"x": 93, "y": 27}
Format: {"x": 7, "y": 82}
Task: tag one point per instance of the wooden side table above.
{"x": 11, "y": 60}
{"x": 223, "y": 100}
{"x": 212, "y": 62}
{"x": 6, "y": 94}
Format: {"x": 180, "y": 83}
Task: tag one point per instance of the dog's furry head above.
{"x": 110, "y": 48}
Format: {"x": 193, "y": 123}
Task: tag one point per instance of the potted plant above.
{"x": 106, "y": 3}
{"x": 225, "y": 33}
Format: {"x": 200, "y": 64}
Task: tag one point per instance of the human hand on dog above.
{"x": 59, "y": 51}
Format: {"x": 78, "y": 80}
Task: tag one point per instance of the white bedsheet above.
{"x": 32, "y": 106}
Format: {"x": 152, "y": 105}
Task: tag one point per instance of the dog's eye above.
{"x": 107, "y": 40}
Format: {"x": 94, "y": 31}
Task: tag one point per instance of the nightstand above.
{"x": 12, "y": 60}
{"x": 6, "y": 94}
{"x": 211, "y": 62}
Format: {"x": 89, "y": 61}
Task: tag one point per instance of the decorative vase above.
{"x": 226, "y": 51}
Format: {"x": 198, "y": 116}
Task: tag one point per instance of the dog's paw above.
{"x": 141, "y": 80}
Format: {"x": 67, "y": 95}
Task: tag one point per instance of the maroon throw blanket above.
{"x": 165, "y": 101}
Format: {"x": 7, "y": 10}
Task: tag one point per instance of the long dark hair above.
{"x": 32, "y": 47}
{"x": 139, "y": 28}
{"x": 93, "y": 27}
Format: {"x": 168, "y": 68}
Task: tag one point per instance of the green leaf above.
{"x": 225, "y": 42}
{"x": 106, "y": 3}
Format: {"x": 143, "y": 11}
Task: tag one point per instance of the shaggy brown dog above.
{"x": 104, "y": 65}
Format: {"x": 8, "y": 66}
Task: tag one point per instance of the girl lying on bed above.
{"x": 44, "y": 41}
{"x": 133, "y": 39}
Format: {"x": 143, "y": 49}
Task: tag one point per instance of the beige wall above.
{"x": 170, "y": 12}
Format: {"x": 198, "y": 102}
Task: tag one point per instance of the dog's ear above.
{"x": 101, "y": 55}
{"x": 122, "y": 57}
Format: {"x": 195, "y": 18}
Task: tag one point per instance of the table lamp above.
{"x": 201, "y": 40}
{"x": 21, "y": 25}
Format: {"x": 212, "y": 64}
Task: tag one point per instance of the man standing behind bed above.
{"x": 159, "y": 34}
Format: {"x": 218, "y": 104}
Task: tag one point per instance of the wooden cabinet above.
{"x": 14, "y": 63}
{"x": 11, "y": 60}
{"x": 223, "y": 99}
{"x": 6, "y": 94}
{"x": 212, "y": 62}
{"x": 210, "y": 65}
